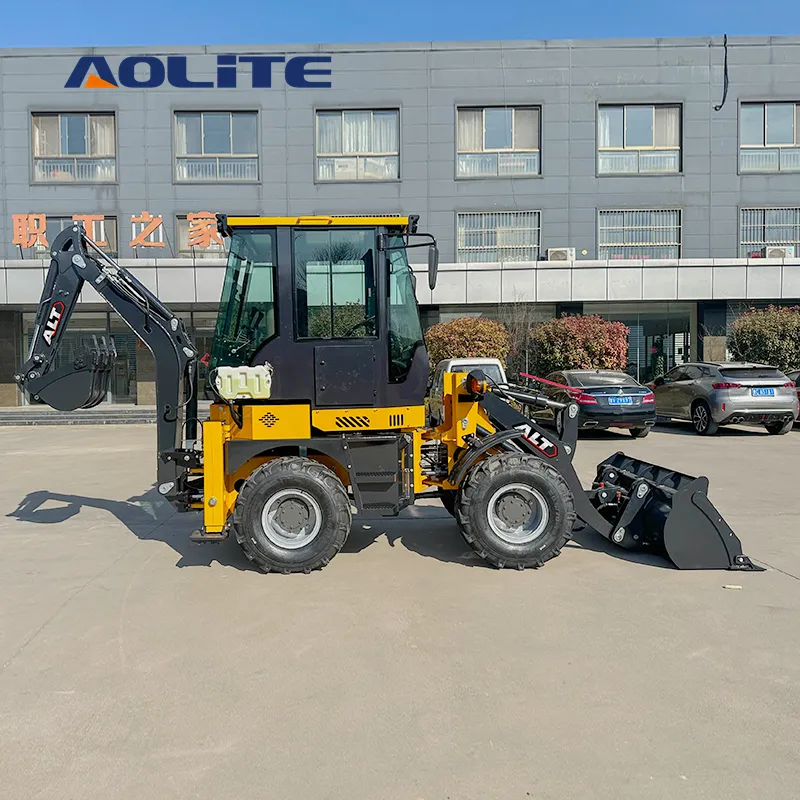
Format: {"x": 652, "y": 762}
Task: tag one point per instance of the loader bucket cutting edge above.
{"x": 661, "y": 510}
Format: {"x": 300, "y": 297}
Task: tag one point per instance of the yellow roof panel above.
{"x": 252, "y": 222}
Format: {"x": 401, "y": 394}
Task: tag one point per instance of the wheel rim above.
{"x": 291, "y": 519}
{"x": 518, "y": 513}
{"x": 700, "y": 418}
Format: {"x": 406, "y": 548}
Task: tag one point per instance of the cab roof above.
{"x": 319, "y": 220}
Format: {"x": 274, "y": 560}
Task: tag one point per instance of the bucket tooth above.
{"x": 651, "y": 507}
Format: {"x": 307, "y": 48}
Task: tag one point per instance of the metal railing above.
{"x": 216, "y": 168}
{"x": 358, "y": 168}
{"x": 769, "y": 159}
{"x": 490, "y": 165}
{"x": 79, "y": 169}
{"x": 635, "y": 162}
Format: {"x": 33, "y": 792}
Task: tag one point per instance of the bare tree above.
{"x": 518, "y": 317}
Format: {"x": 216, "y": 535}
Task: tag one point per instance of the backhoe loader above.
{"x": 317, "y": 380}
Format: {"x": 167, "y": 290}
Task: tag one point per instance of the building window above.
{"x": 769, "y": 137}
{"x": 76, "y": 148}
{"x": 198, "y": 237}
{"x": 498, "y": 142}
{"x": 358, "y": 145}
{"x": 498, "y": 236}
{"x": 635, "y": 140}
{"x": 761, "y": 229}
{"x": 639, "y": 234}
{"x": 216, "y": 146}
{"x": 101, "y": 230}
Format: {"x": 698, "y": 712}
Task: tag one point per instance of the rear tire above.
{"x": 702, "y": 422}
{"x": 779, "y": 428}
{"x": 515, "y": 511}
{"x": 292, "y": 515}
{"x": 639, "y": 433}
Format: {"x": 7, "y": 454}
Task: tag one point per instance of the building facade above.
{"x": 617, "y": 177}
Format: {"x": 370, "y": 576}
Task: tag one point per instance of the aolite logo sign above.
{"x": 300, "y": 72}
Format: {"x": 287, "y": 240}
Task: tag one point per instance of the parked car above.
{"x": 794, "y": 375}
{"x": 492, "y": 368}
{"x": 606, "y": 399}
{"x": 714, "y": 393}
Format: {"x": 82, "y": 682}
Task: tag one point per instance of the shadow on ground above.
{"x": 733, "y": 431}
{"x": 427, "y": 530}
{"x": 147, "y": 516}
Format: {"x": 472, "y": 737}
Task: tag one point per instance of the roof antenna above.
{"x": 724, "y": 74}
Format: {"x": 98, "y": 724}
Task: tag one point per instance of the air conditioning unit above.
{"x": 778, "y": 252}
{"x": 560, "y": 253}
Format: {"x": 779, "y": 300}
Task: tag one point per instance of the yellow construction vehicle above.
{"x": 317, "y": 380}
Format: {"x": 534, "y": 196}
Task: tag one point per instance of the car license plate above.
{"x": 762, "y": 392}
{"x": 620, "y": 401}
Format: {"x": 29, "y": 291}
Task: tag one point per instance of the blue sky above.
{"x": 56, "y": 24}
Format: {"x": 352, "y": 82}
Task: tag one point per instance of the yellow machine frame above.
{"x": 273, "y": 423}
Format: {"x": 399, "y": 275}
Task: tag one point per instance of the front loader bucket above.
{"x": 664, "y": 511}
{"x": 83, "y": 383}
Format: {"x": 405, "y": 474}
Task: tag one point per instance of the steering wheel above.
{"x": 365, "y": 323}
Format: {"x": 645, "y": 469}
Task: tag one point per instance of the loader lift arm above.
{"x": 83, "y": 382}
{"x": 634, "y": 504}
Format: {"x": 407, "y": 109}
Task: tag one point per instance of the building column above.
{"x": 145, "y": 376}
{"x": 711, "y": 330}
{"x": 10, "y": 356}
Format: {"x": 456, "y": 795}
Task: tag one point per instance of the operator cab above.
{"x": 330, "y": 303}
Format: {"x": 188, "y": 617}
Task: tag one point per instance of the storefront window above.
{"x": 660, "y": 334}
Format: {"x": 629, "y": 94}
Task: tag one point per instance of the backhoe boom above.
{"x": 83, "y": 382}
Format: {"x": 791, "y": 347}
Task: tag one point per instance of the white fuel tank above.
{"x": 244, "y": 383}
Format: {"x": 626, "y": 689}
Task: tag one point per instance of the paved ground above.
{"x": 135, "y": 665}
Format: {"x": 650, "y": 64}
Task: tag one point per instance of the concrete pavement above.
{"x": 134, "y": 664}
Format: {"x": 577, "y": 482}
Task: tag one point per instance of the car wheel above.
{"x": 779, "y": 428}
{"x": 560, "y": 424}
{"x": 702, "y": 422}
{"x": 639, "y": 433}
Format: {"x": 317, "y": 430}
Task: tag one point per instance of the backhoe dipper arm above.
{"x": 83, "y": 381}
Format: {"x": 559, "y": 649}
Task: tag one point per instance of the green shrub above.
{"x": 769, "y": 336}
{"x": 467, "y": 337}
{"x": 578, "y": 342}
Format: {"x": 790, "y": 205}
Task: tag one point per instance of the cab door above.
{"x": 336, "y": 314}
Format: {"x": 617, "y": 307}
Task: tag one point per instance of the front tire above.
{"x": 702, "y": 422}
{"x": 779, "y": 428}
{"x": 639, "y": 433}
{"x": 292, "y": 515}
{"x": 515, "y": 511}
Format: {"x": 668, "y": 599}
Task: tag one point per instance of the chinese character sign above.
{"x": 146, "y": 230}
{"x": 30, "y": 230}
{"x": 203, "y": 230}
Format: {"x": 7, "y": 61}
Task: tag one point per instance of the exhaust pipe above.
{"x": 660, "y": 510}
{"x": 590, "y": 424}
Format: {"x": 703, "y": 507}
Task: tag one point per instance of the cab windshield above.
{"x": 405, "y": 330}
{"x": 247, "y": 309}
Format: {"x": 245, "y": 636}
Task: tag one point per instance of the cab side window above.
{"x": 334, "y": 284}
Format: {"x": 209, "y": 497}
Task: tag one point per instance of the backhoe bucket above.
{"x": 658, "y": 509}
{"x": 83, "y": 383}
